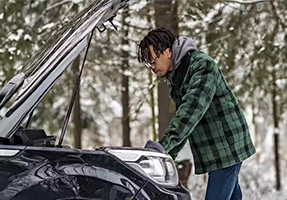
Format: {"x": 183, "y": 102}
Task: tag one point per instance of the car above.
{"x": 34, "y": 166}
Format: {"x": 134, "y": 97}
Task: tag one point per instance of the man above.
{"x": 207, "y": 112}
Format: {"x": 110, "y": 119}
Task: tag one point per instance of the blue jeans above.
{"x": 223, "y": 184}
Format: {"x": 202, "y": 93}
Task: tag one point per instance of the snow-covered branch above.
{"x": 247, "y": 1}
{"x": 57, "y": 4}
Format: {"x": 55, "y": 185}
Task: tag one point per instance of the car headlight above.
{"x": 157, "y": 166}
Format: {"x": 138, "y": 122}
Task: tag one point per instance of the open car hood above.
{"x": 41, "y": 72}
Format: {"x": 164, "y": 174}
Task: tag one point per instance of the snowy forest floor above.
{"x": 257, "y": 183}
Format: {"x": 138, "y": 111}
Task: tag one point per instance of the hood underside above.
{"x": 41, "y": 72}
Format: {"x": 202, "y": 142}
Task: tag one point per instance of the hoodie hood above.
{"x": 179, "y": 48}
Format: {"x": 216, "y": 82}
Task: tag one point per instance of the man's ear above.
{"x": 168, "y": 52}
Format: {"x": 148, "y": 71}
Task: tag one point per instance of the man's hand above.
{"x": 154, "y": 145}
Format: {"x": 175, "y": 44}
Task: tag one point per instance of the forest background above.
{"x": 122, "y": 103}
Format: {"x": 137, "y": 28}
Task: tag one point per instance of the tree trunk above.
{"x": 151, "y": 89}
{"x": 77, "y": 109}
{"x": 275, "y": 104}
{"x": 256, "y": 135}
{"x": 125, "y": 83}
{"x": 165, "y": 16}
{"x": 152, "y": 105}
{"x": 276, "y": 130}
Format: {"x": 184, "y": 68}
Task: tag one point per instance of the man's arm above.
{"x": 196, "y": 101}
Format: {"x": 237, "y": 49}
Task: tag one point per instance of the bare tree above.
{"x": 125, "y": 82}
{"x": 77, "y": 120}
{"x": 165, "y": 16}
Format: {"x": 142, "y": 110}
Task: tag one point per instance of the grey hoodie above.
{"x": 179, "y": 48}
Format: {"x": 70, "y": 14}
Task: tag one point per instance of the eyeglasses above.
{"x": 150, "y": 65}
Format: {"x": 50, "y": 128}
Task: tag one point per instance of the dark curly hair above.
{"x": 160, "y": 39}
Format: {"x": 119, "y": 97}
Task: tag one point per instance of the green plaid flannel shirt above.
{"x": 208, "y": 115}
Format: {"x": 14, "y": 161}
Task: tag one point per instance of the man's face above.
{"x": 161, "y": 64}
